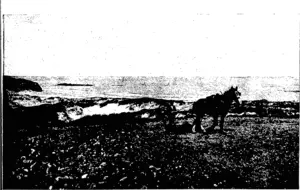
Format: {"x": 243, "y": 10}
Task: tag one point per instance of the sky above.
{"x": 131, "y": 38}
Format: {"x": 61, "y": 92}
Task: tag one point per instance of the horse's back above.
{"x": 198, "y": 106}
{"x": 207, "y": 105}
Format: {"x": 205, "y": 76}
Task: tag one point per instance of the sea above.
{"x": 165, "y": 87}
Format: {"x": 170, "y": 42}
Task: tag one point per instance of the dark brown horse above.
{"x": 215, "y": 106}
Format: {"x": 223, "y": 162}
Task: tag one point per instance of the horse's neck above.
{"x": 227, "y": 100}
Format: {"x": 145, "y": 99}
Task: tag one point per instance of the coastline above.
{"x": 175, "y": 88}
{"x": 108, "y": 142}
{"x": 76, "y": 108}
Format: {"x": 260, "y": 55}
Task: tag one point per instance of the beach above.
{"x": 122, "y": 141}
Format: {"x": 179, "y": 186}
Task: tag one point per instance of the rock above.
{"x": 122, "y": 179}
{"x": 40, "y": 115}
{"x": 75, "y": 112}
{"x": 145, "y": 115}
{"x": 84, "y": 176}
{"x": 103, "y": 164}
{"x": 19, "y": 84}
{"x": 180, "y": 116}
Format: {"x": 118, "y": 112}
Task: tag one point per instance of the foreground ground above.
{"x": 253, "y": 153}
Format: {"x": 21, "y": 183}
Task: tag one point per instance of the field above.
{"x": 123, "y": 151}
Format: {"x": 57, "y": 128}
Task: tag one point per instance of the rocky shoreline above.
{"x": 104, "y": 142}
{"x": 104, "y": 106}
{"x": 19, "y": 84}
{"x": 70, "y": 109}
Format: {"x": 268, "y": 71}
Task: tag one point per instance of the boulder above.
{"x": 19, "y": 84}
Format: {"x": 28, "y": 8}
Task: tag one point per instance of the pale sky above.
{"x": 140, "y": 39}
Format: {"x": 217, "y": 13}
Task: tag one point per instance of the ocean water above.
{"x": 176, "y": 88}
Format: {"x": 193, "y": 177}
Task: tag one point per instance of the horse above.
{"x": 215, "y": 105}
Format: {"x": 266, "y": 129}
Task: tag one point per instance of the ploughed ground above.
{"x": 134, "y": 150}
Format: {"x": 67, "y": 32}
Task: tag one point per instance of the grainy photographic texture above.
{"x": 147, "y": 101}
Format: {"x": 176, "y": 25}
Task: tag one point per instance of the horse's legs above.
{"x": 202, "y": 128}
{"x": 215, "y": 123}
{"x": 197, "y": 123}
{"x": 222, "y": 122}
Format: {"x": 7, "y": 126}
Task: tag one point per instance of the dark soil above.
{"x": 121, "y": 151}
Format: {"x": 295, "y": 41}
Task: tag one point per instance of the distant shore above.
{"x": 72, "y": 84}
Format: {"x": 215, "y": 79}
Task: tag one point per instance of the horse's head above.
{"x": 235, "y": 94}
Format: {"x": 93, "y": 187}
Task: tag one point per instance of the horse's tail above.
{"x": 195, "y": 107}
